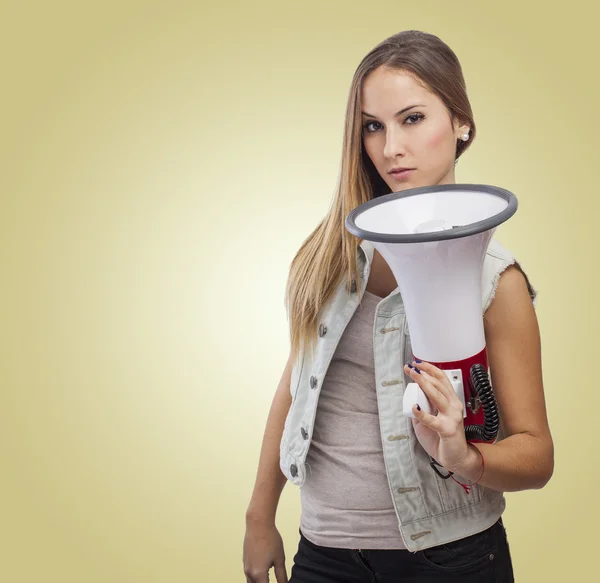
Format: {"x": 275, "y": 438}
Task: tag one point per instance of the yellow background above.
{"x": 161, "y": 164}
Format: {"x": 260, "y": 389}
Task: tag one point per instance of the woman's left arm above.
{"x": 524, "y": 459}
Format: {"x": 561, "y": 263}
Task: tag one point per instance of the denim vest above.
{"x": 430, "y": 510}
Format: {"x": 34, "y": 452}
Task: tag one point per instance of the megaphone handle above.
{"x": 414, "y": 395}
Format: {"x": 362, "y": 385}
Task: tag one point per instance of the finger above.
{"x": 432, "y": 370}
{"x": 439, "y": 375}
{"x": 444, "y": 384}
{"x": 426, "y": 419}
{"x": 280, "y": 573}
{"x": 258, "y": 577}
{"x": 437, "y": 397}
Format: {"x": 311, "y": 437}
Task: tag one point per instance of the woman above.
{"x": 372, "y": 508}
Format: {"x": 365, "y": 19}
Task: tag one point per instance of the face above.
{"x": 422, "y": 137}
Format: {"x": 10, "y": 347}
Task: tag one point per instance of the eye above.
{"x": 417, "y": 117}
{"x": 366, "y": 126}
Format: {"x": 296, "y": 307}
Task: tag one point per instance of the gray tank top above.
{"x": 346, "y": 500}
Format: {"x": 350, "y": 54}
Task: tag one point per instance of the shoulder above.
{"x": 501, "y": 265}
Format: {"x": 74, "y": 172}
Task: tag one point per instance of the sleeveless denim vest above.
{"x": 430, "y": 510}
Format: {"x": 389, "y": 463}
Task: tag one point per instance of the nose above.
{"x": 394, "y": 143}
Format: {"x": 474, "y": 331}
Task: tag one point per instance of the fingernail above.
{"x": 410, "y": 366}
{"x": 418, "y": 407}
{"x": 417, "y": 360}
{"x": 417, "y": 370}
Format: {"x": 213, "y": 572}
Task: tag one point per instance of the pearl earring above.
{"x": 465, "y": 137}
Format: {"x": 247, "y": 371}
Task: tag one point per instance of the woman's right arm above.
{"x": 263, "y": 547}
{"x": 269, "y": 477}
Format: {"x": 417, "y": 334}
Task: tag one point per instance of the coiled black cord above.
{"x": 491, "y": 419}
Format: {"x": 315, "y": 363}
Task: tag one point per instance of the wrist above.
{"x": 471, "y": 465}
{"x": 260, "y": 516}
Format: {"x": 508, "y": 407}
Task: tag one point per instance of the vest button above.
{"x": 293, "y": 470}
{"x": 322, "y": 330}
{"x": 304, "y": 433}
{"x": 353, "y": 286}
{"x": 313, "y": 382}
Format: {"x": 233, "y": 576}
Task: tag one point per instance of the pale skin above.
{"x": 525, "y": 458}
{"x": 425, "y": 138}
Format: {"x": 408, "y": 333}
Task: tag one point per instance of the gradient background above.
{"x": 161, "y": 164}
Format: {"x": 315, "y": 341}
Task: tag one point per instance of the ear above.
{"x": 459, "y": 127}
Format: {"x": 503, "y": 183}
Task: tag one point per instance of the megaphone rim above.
{"x": 456, "y": 233}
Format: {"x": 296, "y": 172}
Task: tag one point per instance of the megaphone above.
{"x": 434, "y": 239}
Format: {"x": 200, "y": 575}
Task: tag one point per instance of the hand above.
{"x": 263, "y": 549}
{"x": 442, "y": 435}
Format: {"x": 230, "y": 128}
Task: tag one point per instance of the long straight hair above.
{"x": 329, "y": 253}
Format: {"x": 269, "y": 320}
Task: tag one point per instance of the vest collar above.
{"x": 366, "y": 251}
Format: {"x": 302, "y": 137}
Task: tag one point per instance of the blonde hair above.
{"x": 328, "y": 254}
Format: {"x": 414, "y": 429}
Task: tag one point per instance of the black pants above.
{"x": 480, "y": 558}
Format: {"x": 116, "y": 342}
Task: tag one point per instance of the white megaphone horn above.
{"x": 434, "y": 239}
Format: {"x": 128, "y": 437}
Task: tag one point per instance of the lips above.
{"x": 402, "y": 175}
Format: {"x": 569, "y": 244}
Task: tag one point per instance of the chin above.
{"x": 402, "y": 187}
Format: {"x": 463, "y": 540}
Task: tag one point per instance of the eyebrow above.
{"x": 397, "y": 113}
